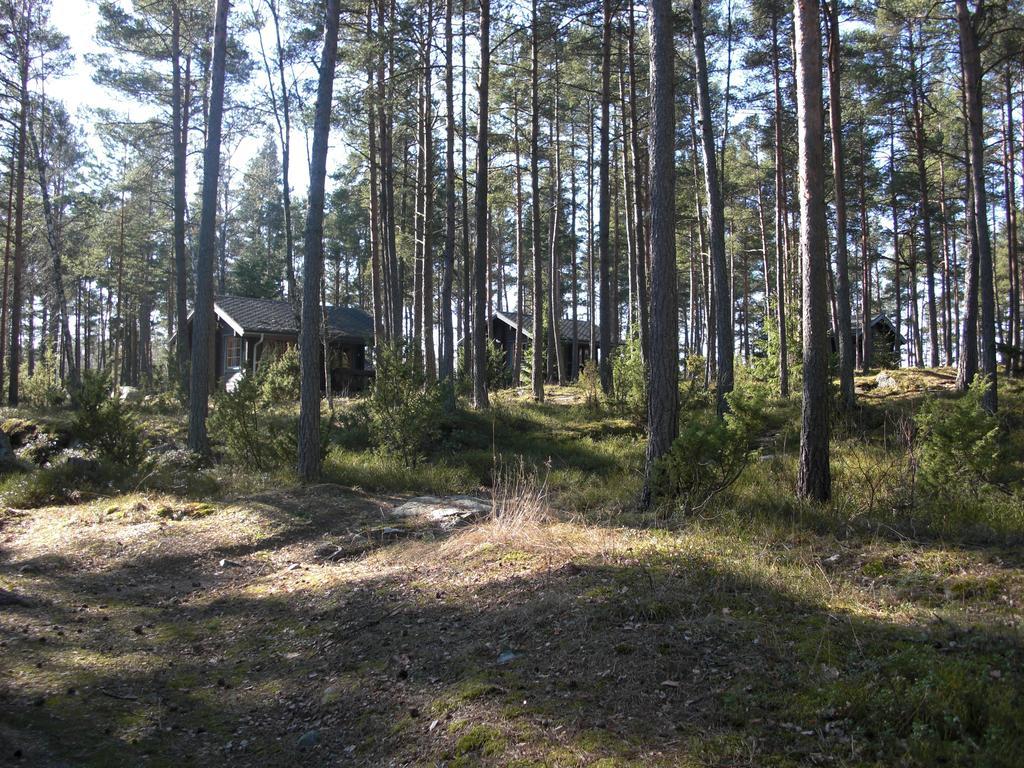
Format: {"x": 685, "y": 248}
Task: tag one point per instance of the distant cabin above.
{"x": 505, "y": 324}
{"x": 250, "y": 331}
{"x": 885, "y": 341}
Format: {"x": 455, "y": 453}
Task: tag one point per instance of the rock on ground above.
{"x": 447, "y": 511}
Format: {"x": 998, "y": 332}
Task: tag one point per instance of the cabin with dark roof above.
{"x": 252, "y": 331}
{"x": 505, "y": 324}
{"x": 885, "y": 341}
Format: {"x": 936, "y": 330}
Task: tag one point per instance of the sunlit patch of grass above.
{"x": 372, "y": 471}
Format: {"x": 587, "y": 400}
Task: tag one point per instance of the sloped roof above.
{"x": 249, "y": 315}
{"x": 879, "y": 321}
{"x": 564, "y": 326}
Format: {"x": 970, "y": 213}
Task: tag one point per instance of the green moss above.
{"x": 480, "y": 739}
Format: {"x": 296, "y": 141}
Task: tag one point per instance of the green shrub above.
{"x": 693, "y": 366}
{"x": 59, "y": 484}
{"x": 958, "y": 444}
{"x": 104, "y": 423}
{"x": 710, "y": 453}
{"x": 629, "y": 380}
{"x": 250, "y": 435}
{"x": 499, "y": 374}
{"x": 590, "y": 382}
{"x": 43, "y": 389}
{"x": 278, "y": 378}
{"x": 405, "y": 411}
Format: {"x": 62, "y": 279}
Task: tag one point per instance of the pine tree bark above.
{"x": 446, "y": 365}
{"x": 8, "y": 242}
{"x": 18, "y": 268}
{"x": 480, "y": 399}
{"x": 845, "y": 340}
{"x": 814, "y": 476}
{"x": 427, "y": 209}
{"x": 781, "y": 235}
{"x": 663, "y": 360}
{"x": 604, "y": 202}
{"x": 313, "y": 258}
{"x": 374, "y": 229}
{"x": 554, "y": 263}
{"x": 202, "y": 317}
{"x": 865, "y": 257}
{"x": 917, "y": 107}
{"x": 56, "y": 267}
{"x": 715, "y": 217}
{"x": 179, "y": 149}
{"x": 535, "y": 209}
{"x": 517, "y": 352}
{"x": 639, "y": 230}
{"x": 1013, "y": 267}
{"x": 970, "y": 55}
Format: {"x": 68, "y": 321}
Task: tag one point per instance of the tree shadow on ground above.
{"x": 654, "y": 657}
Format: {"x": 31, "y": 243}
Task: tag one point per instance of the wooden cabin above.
{"x": 505, "y": 324}
{"x": 885, "y": 341}
{"x": 250, "y": 331}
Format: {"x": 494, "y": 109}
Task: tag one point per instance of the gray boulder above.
{"x": 884, "y": 380}
{"x": 446, "y": 512}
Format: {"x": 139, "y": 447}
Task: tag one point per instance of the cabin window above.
{"x": 232, "y": 352}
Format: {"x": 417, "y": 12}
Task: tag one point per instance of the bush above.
{"x": 710, "y": 453}
{"x": 59, "y": 484}
{"x": 499, "y": 374}
{"x": 104, "y": 423}
{"x": 404, "y": 410}
{"x": 958, "y": 444}
{"x": 43, "y": 389}
{"x": 241, "y": 421}
{"x": 590, "y": 382}
{"x": 629, "y": 380}
{"x": 278, "y": 378}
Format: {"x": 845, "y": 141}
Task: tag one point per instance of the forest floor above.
{"x": 289, "y": 625}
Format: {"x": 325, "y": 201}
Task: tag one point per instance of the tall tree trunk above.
{"x": 970, "y": 55}
{"x": 591, "y": 299}
{"x": 179, "y": 139}
{"x": 574, "y": 355}
{"x": 639, "y": 230}
{"x": 313, "y": 258}
{"x": 604, "y": 201}
{"x": 917, "y": 104}
{"x": 56, "y": 265}
{"x": 8, "y": 241}
{"x": 467, "y": 314}
{"x": 814, "y": 476}
{"x": 845, "y": 341}
{"x": 535, "y": 210}
{"x": 895, "y": 239}
{"x": 427, "y": 212}
{"x": 1013, "y": 267}
{"x": 446, "y": 365}
{"x": 948, "y": 274}
{"x": 19, "y": 217}
{"x": 517, "y": 352}
{"x": 555, "y": 280}
{"x": 716, "y": 217}
{"x": 865, "y": 257}
{"x": 781, "y": 235}
{"x": 480, "y": 399}
{"x": 663, "y": 362}
{"x": 377, "y": 287}
{"x": 202, "y": 318}
{"x": 284, "y": 127}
